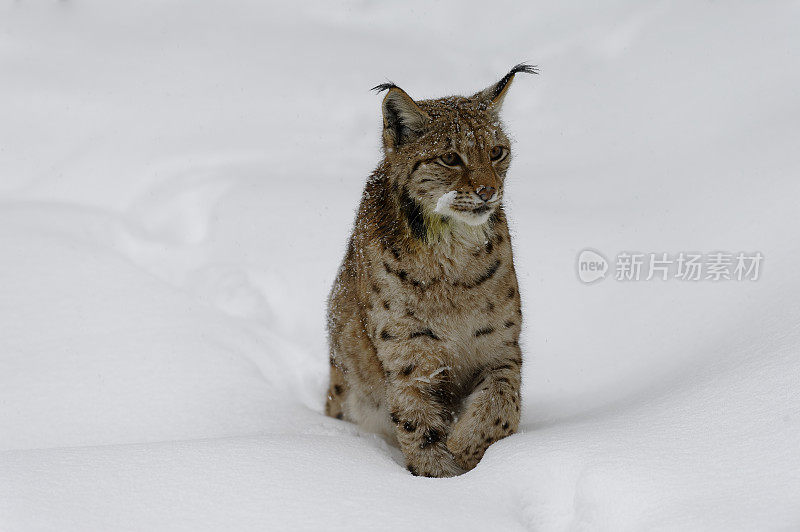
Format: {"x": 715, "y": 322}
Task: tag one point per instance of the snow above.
{"x": 178, "y": 183}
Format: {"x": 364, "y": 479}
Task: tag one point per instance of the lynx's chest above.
{"x": 461, "y": 299}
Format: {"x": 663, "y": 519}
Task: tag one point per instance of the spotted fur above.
{"x": 424, "y": 317}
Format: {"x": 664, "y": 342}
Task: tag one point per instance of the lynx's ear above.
{"x": 494, "y": 95}
{"x": 402, "y": 117}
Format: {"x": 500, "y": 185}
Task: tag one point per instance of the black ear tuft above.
{"x": 500, "y": 86}
{"x": 384, "y": 87}
{"x": 524, "y": 67}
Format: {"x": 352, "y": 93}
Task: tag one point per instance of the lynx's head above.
{"x": 449, "y": 156}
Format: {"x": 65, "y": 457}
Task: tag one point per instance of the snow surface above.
{"x": 177, "y": 184}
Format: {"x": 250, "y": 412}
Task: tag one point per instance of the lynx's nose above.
{"x": 485, "y": 193}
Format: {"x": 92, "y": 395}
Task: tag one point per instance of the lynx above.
{"x": 424, "y": 316}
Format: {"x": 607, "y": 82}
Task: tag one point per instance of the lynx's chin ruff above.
{"x": 424, "y": 317}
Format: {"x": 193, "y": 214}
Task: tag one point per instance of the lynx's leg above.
{"x": 337, "y": 393}
{"x": 490, "y": 412}
{"x": 416, "y": 382}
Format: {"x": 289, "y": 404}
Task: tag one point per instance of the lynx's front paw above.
{"x": 486, "y": 418}
{"x": 433, "y": 462}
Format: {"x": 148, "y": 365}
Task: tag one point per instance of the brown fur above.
{"x": 424, "y": 317}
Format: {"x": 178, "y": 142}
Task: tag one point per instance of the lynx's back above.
{"x": 424, "y": 317}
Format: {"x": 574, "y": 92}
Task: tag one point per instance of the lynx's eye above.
{"x": 498, "y": 153}
{"x": 450, "y": 159}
